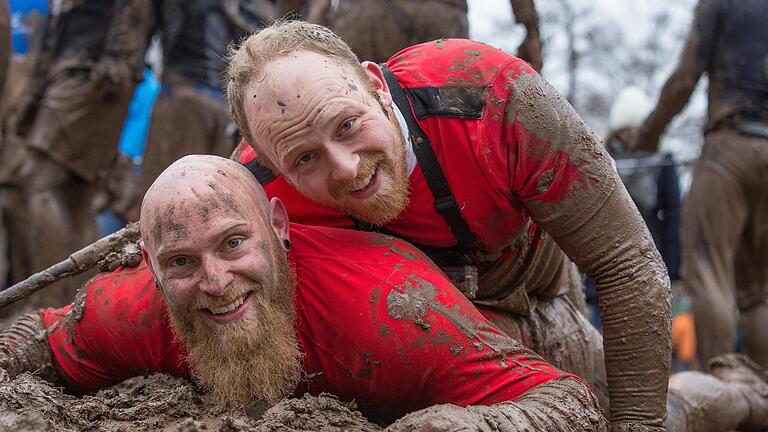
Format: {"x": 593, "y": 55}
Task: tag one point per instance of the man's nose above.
{"x": 344, "y": 162}
{"x": 215, "y": 278}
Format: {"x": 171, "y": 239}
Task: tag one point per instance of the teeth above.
{"x": 228, "y": 308}
{"x": 367, "y": 182}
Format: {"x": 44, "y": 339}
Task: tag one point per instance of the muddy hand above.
{"x": 642, "y": 139}
{"x": 439, "y": 418}
{"x": 128, "y": 256}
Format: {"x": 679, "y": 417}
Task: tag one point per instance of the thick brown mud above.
{"x": 160, "y": 403}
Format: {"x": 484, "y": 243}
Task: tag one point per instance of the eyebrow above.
{"x": 285, "y": 151}
{"x": 165, "y": 251}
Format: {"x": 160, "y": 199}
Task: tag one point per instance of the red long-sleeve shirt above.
{"x": 376, "y": 321}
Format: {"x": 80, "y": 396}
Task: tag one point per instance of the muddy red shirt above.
{"x": 376, "y": 322}
{"x": 508, "y": 158}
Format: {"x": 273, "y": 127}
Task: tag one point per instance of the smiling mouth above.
{"x": 369, "y": 180}
{"x": 229, "y": 308}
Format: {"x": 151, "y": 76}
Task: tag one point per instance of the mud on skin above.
{"x": 160, "y": 403}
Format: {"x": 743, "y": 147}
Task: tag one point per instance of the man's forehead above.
{"x": 175, "y": 217}
{"x": 296, "y": 71}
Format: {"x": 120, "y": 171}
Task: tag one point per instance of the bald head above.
{"x": 198, "y": 185}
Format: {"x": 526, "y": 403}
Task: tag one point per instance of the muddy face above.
{"x": 226, "y": 281}
{"x": 331, "y": 133}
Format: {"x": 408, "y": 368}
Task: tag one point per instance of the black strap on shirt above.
{"x": 445, "y": 202}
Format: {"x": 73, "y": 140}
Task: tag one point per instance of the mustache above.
{"x": 366, "y": 169}
{"x": 237, "y": 290}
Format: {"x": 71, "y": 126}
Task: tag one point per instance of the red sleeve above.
{"x": 382, "y": 326}
{"x": 122, "y": 332}
{"x": 540, "y": 150}
{"x": 534, "y": 144}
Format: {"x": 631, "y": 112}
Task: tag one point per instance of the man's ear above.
{"x": 376, "y": 77}
{"x": 145, "y": 255}
{"x": 278, "y": 218}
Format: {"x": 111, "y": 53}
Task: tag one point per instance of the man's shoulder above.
{"x": 313, "y": 242}
{"x": 348, "y": 263}
{"x": 455, "y": 62}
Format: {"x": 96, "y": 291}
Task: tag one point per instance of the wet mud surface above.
{"x": 160, "y": 403}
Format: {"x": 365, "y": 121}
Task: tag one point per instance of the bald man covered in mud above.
{"x": 466, "y": 152}
{"x": 255, "y": 308}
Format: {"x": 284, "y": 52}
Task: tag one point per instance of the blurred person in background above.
{"x": 28, "y": 18}
{"x": 63, "y": 130}
{"x": 120, "y": 189}
{"x": 190, "y": 115}
{"x": 376, "y": 30}
{"x": 725, "y": 214}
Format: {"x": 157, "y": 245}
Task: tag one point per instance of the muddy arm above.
{"x": 560, "y": 405}
{"x": 530, "y": 49}
{"x": 24, "y": 348}
{"x": 566, "y": 181}
{"x": 702, "y": 403}
{"x": 679, "y": 86}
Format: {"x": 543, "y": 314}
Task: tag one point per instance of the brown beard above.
{"x": 256, "y": 360}
{"x": 388, "y": 202}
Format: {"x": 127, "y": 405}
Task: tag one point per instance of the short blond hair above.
{"x": 283, "y": 37}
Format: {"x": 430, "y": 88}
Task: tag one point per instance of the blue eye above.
{"x": 235, "y": 242}
{"x": 305, "y": 159}
{"x": 346, "y": 126}
{"x": 180, "y": 261}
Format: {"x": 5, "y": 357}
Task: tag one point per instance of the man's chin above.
{"x": 380, "y": 209}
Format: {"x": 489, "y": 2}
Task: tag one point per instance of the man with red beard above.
{"x": 464, "y": 151}
{"x": 256, "y": 309}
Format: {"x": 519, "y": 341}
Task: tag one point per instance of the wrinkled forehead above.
{"x": 293, "y": 76}
{"x": 176, "y": 218}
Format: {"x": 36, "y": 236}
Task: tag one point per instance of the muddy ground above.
{"x": 160, "y": 403}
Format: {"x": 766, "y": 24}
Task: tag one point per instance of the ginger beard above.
{"x": 254, "y": 360}
{"x": 387, "y": 203}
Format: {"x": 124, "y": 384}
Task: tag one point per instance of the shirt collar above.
{"x": 410, "y": 155}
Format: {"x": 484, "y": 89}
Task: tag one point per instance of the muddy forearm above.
{"x": 560, "y": 405}
{"x": 674, "y": 95}
{"x": 24, "y": 348}
{"x": 615, "y": 248}
{"x": 530, "y": 48}
{"x": 525, "y": 13}
{"x": 702, "y": 403}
